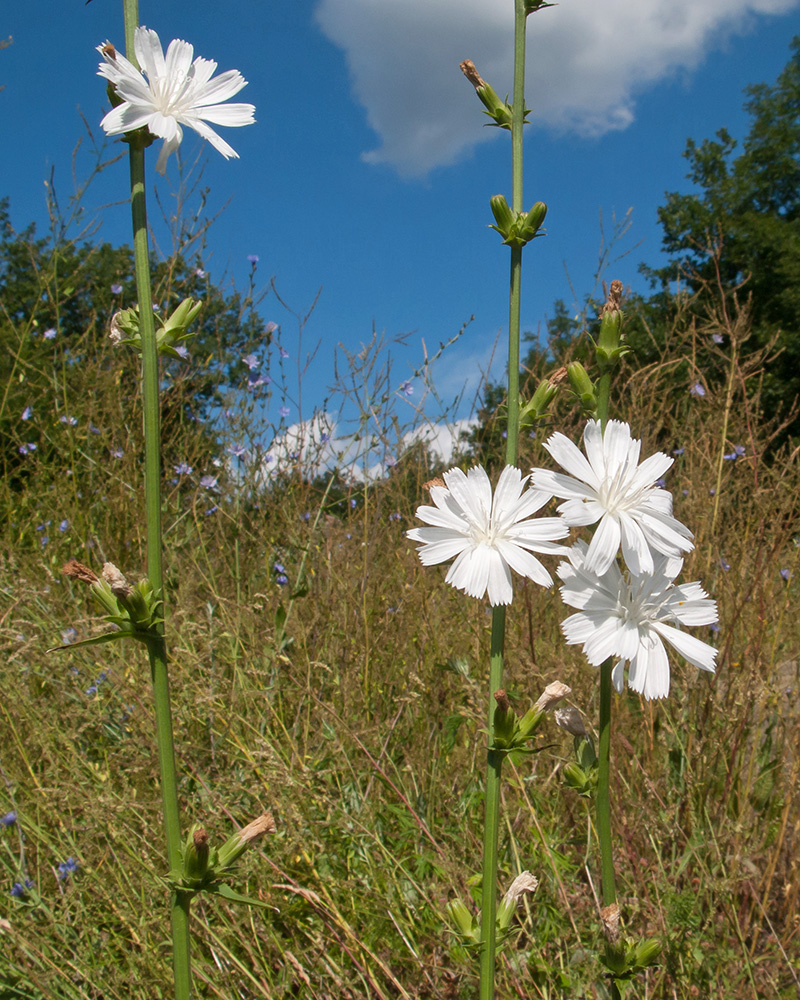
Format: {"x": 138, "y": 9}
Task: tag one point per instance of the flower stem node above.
{"x": 170, "y": 335}
{"x": 499, "y": 111}
{"x": 134, "y": 609}
{"x": 516, "y": 228}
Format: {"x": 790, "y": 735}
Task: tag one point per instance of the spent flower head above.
{"x": 608, "y": 485}
{"x": 488, "y": 535}
{"x": 169, "y": 92}
{"x": 630, "y": 617}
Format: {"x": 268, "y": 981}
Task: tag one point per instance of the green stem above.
{"x": 494, "y": 760}
{"x": 156, "y": 648}
{"x": 602, "y": 798}
{"x": 491, "y": 828}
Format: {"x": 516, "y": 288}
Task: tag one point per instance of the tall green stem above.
{"x": 494, "y": 759}
{"x": 602, "y": 798}
{"x": 156, "y": 647}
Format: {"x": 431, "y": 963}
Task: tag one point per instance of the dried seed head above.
{"x": 614, "y": 297}
{"x": 77, "y": 571}
{"x": 558, "y": 376}
{"x": 524, "y": 882}
{"x": 571, "y": 720}
{"x": 552, "y": 695}
{"x": 116, "y": 581}
{"x": 264, "y": 824}
{"x": 115, "y": 332}
{"x": 468, "y": 69}
{"x": 433, "y": 482}
{"x": 501, "y": 698}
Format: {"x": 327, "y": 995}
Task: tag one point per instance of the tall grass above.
{"x": 356, "y": 718}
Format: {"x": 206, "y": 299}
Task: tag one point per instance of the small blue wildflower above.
{"x": 199, "y": 272}
{"x": 661, "y": 482}
{"x": 93, "y": 429}
{"x": 396, "y": 516}
{"x": 44, "y": 540}
{"x": 269, "y": 459}
{"x": 306, "y": 516}
{"x": 26, "y": 449}
{"x": 9, "y": 819}
{"x": 353, "y": 503}
{"x": 27, "y": 413}
{"x": 212, "y": 510}
{"x": 238, "y": 451}
{"x": 293, "y": 456}
{"x": 407, "y": 388}
{"x": 102, "y": 676}
{"x": 209, "y": 482}
{"x": 724, "y": 564}
{"x": 677, "y": 451}
{"x": 20, "y": 890}
{"x": 785, "y": 574}
{"x": 270, "y": 327}
{"x": 251, "y": 361}
{"x": 116, "y": 289}
{"x": 69, "y": 635}
{"x": 283, "y": 353}
{"x": 348, "y": 536}
{"x": 50, "y": 334}
{"x": 685, "y": 493}
{"x": 66, "y": 868}
{"x": 91, "y": 691}
{"x": 182, "y": 352}
{"x": 284, "y": 411}
{"x": 717, "y": 338}
{"x": 278, "y": 567}
{"x": 391, "y": 461}
{"x": 324, "y": 438}
{"x": 182, "y": 469}
{"x": 43, "y": 525}
{"x": 70, "y": 421}
{"x": 714, "y": 627}
{"x": 739, "y": 451}
{"x": 697, "y": 390}
{"x": 116, "y": 452}
{"x": 64, "y": 526}
{"x": 253, "y": 258}
{"x": 282, "y": 580}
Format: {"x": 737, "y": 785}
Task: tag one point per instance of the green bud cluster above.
{"x": 517, "y": 228}
{"x": 609, "y": 347}
{"x": 629, "y": 959}
{"x": 172, "y": 332}
{"x": 583, "y": 387}
{"x": 511, "y": 733}
{"x": 581, "y": 774}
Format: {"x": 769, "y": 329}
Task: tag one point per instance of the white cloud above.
{"x": 586, "y": 63}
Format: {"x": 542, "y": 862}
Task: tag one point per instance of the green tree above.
{"x": 742, "y": 225}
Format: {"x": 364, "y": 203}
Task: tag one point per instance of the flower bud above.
{"x": 582, "y": 386}
{"x": 503, "y": 721}
{"x": 195, "y": 855}
{"x": 462, "y": 919}
{"x": 609, "y": 348}
{"x": 499, "y": 110}
{"x": 503, "y": 215}
{"x": 645, "y": 953}
{"x": 235, "y": 846}
{"x": 532, "y": 222}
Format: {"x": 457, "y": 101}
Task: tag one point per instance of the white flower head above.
{"x": 175, "y": 92}
{"x": 608, "y": 485}
{"x": 487, "y": 535}
{"x": 630, "y": 617}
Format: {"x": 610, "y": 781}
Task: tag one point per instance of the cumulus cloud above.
{"x": 587, "y": 61}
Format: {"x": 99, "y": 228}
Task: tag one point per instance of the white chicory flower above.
{"x": 488, "y": 536}
{"x": 171, "y": 91}
{"x": 608, "y": 485}
{"x": 629, "y": 617}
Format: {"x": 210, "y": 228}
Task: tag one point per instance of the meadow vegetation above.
{"x": 320, "y": 673}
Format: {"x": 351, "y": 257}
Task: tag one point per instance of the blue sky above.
{"x": 369, "y": 171}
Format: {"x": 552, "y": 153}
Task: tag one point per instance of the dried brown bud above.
{"x": 558, "y": 376}
{"x": 610, "y": 917}
{"x": 264, "y": 824}
{"x": 552, "y": 695}
{"x": 571, "y": 720}
{"x": 108, "y": 50}
{"x": 614, "y": 297}
{"x": 115, "y": 332}
{"x": 433, "y": 482}
{"x": 116, "y": 581}
{"x": 77, "y": 571}
{"x": 501, "y": 698}
{"x": 524, "y": 882}
{"x": 469, "y": 71}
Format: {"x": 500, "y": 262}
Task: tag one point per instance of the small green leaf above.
{"x": 224, "y": 890}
